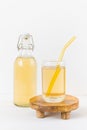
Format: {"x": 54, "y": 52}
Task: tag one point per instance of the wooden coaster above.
{"x": 69, "y": 104}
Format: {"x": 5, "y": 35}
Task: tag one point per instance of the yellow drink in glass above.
{"x": 24, "y": 80}
{"x": 57, "y": 92}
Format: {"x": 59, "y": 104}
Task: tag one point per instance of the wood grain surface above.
{"x": 70, "y": 103}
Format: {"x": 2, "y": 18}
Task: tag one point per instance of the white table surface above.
{"x": 17, "y": 118}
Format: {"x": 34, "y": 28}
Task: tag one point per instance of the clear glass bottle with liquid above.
{"x": 24, "y": 71}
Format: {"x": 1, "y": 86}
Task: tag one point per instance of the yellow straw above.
{"x": 58, "y": 69}
{"x": 65, "y": 47}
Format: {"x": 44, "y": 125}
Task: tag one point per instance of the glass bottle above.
{"x": 24, "y": 71}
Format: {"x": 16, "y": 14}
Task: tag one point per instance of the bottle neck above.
{"x": 25, "y": 53}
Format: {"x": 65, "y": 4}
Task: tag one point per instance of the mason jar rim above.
{"x": 53, "y": 63}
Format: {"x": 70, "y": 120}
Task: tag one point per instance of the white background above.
{"x": 52, "y": 23}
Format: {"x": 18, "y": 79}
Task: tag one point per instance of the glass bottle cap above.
{"x": 25, "y": 42}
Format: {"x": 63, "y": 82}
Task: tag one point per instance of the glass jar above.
{"x": 24, "y": 71}
{"x": 53, "y": 81}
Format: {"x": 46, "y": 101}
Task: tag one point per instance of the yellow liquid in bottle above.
{"x": 58, "y": 89}
{"x": 24, "y": 80}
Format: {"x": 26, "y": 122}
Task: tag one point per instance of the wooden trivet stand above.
{"x": 69, "y": 104}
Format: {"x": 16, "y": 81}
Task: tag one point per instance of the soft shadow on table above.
{"x": 53, "y": 115}
{"x": 79, "y": 113}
